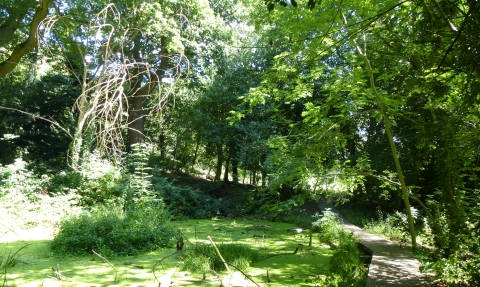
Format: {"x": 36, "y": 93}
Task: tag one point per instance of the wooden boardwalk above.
{"x": 391, "y": 265}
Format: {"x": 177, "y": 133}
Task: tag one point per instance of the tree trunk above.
{"x": 218, "y": 172}
{"x": 263, "y": 169}
{"x": 136, "y": 119}
{"x": 139, "y": 93}
{"x": 5, "y": 147}
{"x": 161, "y": 143}
{"x": 450, "y": 181}
{"x": 86, "y": 111}
{"x": 235, "y": 170}
{"x": 254, "y": 177}
{"x": 175, "y": 150}
{"x": 388, "y": 130}
{"x": 195, "y": 155}
{"x": 225, "y": 174}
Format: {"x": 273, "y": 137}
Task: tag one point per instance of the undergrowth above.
{"x": 184, "y": 202}
{"x": 24, "y": 202}
{"x": 113, "y": 232}
{"x": 392, "y": 226}
{"x": 346, "y": 268}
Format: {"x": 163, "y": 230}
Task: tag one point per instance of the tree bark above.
{"x": 6, "y": 148}
{"x": 140, "y": 93}
{"x": 450, "y": 180}
{"x": 136, "y": 117}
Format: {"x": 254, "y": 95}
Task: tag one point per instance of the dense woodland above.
{"x": 375, "y": 103}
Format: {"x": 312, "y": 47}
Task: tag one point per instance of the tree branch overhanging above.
{"x": 21, "y": 49}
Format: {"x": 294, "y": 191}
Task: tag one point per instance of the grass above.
{"x": 272, "y": 240}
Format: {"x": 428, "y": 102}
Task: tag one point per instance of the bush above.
{"x": 102, "y": 182}
{"x": 113, "y": 232}
{"x": 328, "y": 227}
{"x": 393, "y": 226}
{"x": 460, "y": 269}
{"x": 345, "y": 263}
{"x": 65, "y": 182}
{"x": 16, "y": 178}
{"x": 24, "y": 202}
{"x": 185, "y": 202}
{"x": 346, "y": 268}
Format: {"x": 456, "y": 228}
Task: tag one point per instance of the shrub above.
{"x": 16, "y": 178}
{"x": 102, "y": 182}
{"x": 24, "y": 202}
{"x": 460, "y": 269}
{"x": 113, "y": 232}
{"x": 346, "y": 268}
{"x": 185, "y": 202}
{"x": 65, "y": 182}
{"x": 393, "y": 226}
{"x": 345, "y": 262}
{"x": 328, "y": 227}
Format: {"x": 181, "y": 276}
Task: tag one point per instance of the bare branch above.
{"x": 42, "y": 118}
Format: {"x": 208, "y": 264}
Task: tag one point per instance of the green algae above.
{"x": 36, "y": 265}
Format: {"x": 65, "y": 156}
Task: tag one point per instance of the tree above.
{"x": 120, "y": 52}
{"x": 316, "y": 52}
{"x": 16, "y": 17}
{"x": 38, "y": 118}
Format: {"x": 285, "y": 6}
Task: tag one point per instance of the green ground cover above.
{"x": 35, "y": 265}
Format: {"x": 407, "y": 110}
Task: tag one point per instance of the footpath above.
{"x": 391, "y": 265}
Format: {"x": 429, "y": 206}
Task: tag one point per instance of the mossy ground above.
{"x": 34, "y": 263}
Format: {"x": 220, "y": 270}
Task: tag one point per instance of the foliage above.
{"x": 101, "y": 181}
{"x": 275, "y": 210}
{"x": 346, "y": 267}
{"x": 38, "y": 120}
{"x": 185, "y": 202}
{"x": 24, "y": 201}
{"x": 111, "y": 231}
{"x": 287, "y": 94}
{"x": 139, "y": 194}
{"x": 455, "y": 271}
{"x": 17, "y": 178}
{"x": 458, "y": 269}
{"x": 392, "y": 226}
{"x": 202, "y": 257}
{"x": 16, "y": 18}
{"x": 65, "y": 181}
{"x": 328, "y": 227}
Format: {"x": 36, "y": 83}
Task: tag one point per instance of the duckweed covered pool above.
{"x": 286, "y": 259}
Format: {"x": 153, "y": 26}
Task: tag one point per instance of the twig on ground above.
{"x": 59, "y": 274}
{"x": 108, "y": 262}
